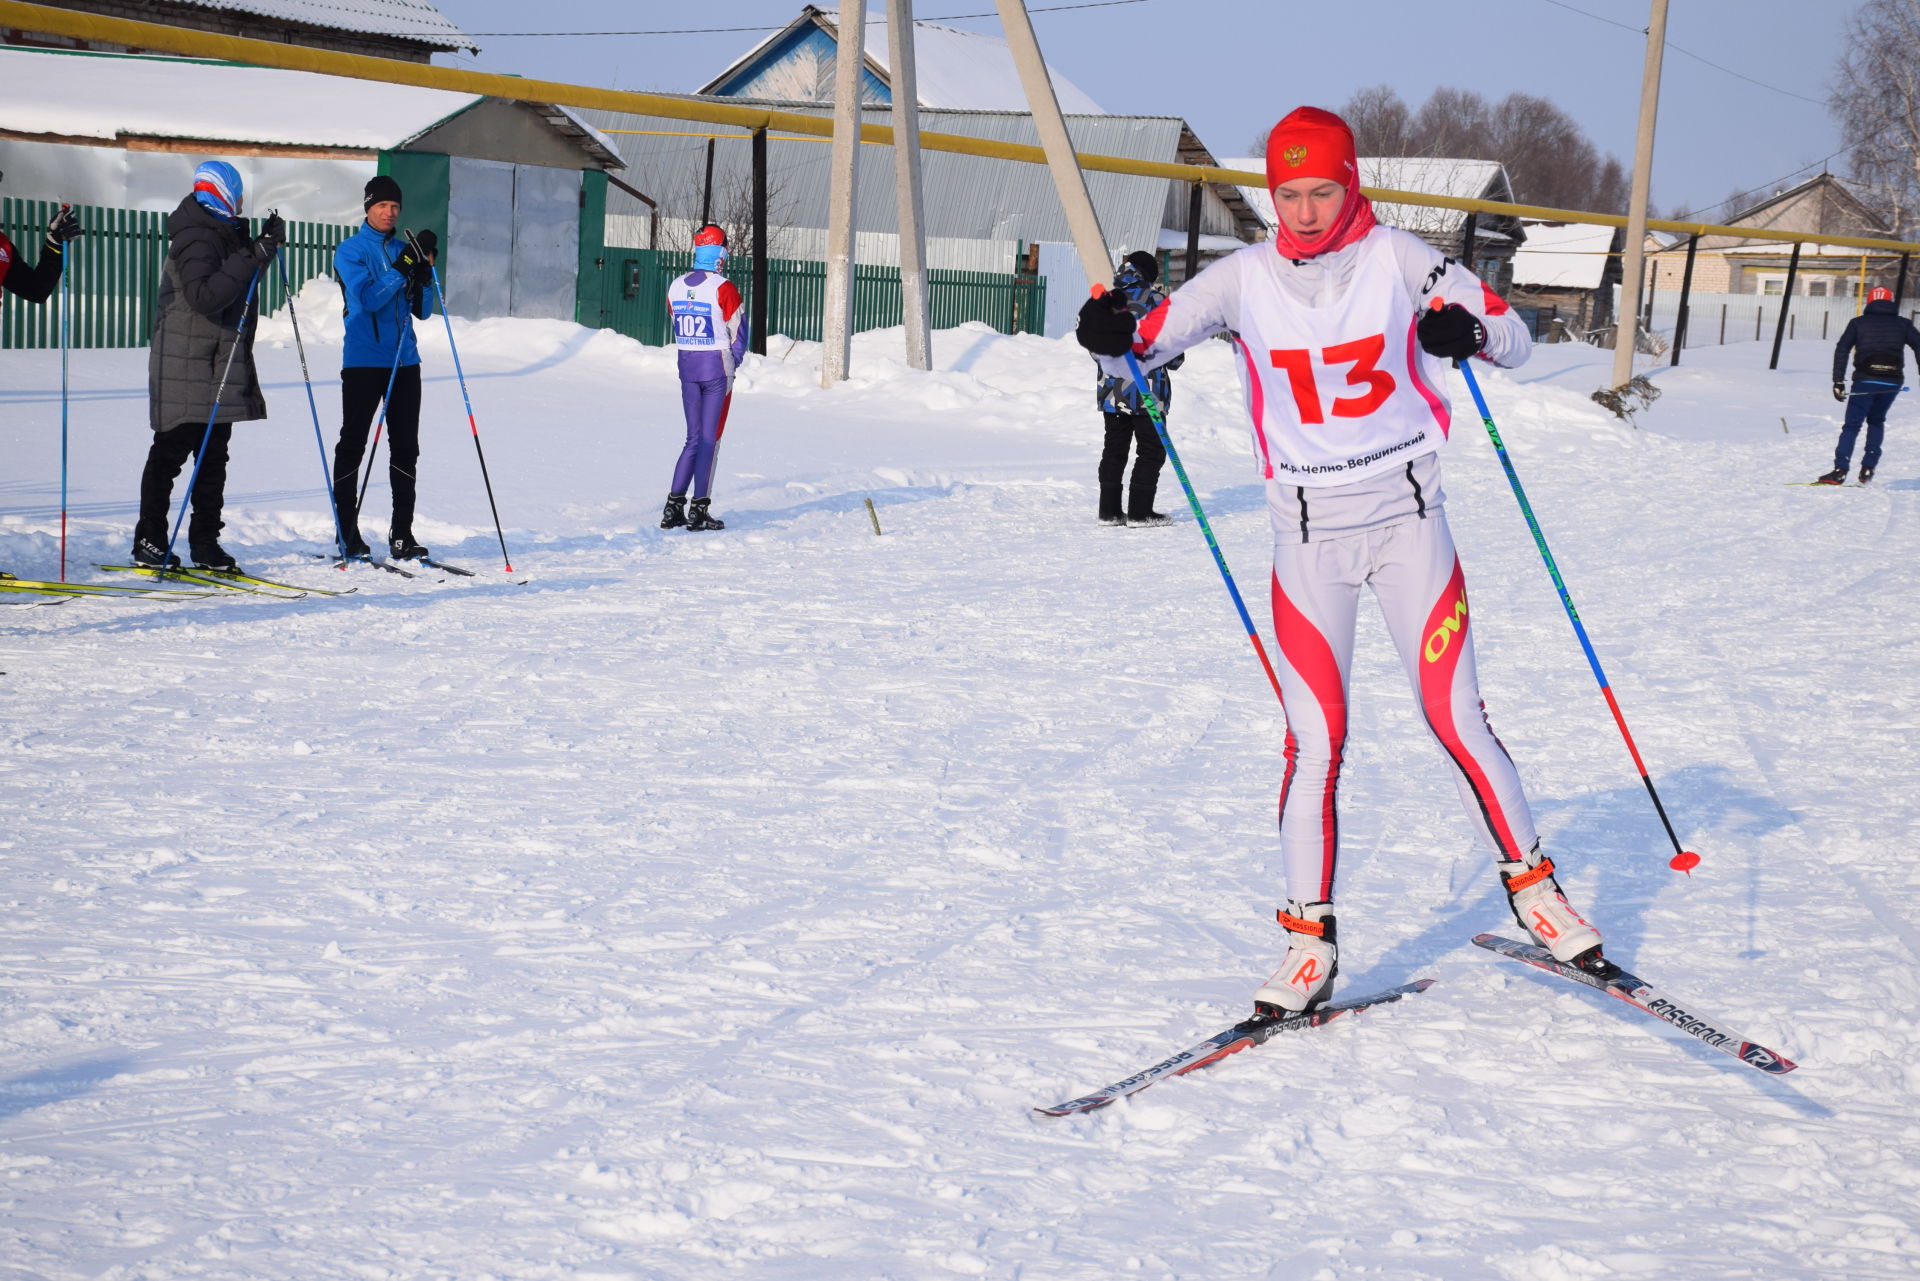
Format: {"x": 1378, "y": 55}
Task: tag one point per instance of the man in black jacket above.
{"x": 1878, "y": 338}
{"x": 202, "y": 354}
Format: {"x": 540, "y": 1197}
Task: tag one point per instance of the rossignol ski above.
{"x": 1244, "y": 1035}
{"x": 1638, "y": 993}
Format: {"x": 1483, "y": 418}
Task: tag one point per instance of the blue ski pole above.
{"x": 386, "y": 403}
{"x": 200, "y": 455}
{"x": 1154, "y": 412}
{"x": 340, "y": 537}
{"x": 1684, "y": 860}
{"x": 441, "y": 298}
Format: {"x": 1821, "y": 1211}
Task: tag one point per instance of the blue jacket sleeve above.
{"x": 369, "y": 285}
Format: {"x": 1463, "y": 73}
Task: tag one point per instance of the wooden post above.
{"x": 1068, "y": 181}
{"x": 836, "y": 321}
{"x": 1193, "y": 232}
{"x": 757, "y": 309}
{"x": 1786, "y": 305}
{"x": 1686, "y": 289}
{"x": 706, "y": 188}
{"x": 1631, "y": 281}
{"x": 906, "y": 184}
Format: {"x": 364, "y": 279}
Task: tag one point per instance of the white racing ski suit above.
{"x": 1348, "y": 415}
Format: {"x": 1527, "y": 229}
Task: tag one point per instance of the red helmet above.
{"x": 710, "y": 235}
{"x": 1880, "y": 293}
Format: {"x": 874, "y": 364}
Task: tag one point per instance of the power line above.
{"x": 702, "y": 31}
{"x": 1641, "y": 31}
{"x": 1743, "y": 195}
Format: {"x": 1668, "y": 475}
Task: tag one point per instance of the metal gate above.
{"x": 513, "y": 232}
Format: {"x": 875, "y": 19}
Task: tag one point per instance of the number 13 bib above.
{"x": 1338, "y": 393}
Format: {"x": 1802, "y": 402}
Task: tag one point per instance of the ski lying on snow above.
{"x": 9, "y": 583}
{"x": 1257, "y": 1030}
{"x": 451, "y": 569}
{"x": 1638, "y": 993}
{"x": 213, "y": 578}
{"x": 387, "y": 565}
{"x": 236, "y": 576}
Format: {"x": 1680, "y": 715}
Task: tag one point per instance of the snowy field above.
{"x": 717, "y": 906}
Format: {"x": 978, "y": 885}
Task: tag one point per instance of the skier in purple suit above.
{"x": 710, "y": 329}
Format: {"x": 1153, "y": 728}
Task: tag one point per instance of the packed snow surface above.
{"x": 718, "y": 906}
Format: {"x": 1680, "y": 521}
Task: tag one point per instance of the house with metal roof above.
{"x": 1567, "y": 272}
{"x": 410, "y": 30}
{"x": 502, "y": 183}
{"x": 1736, "y": 265}
{"x": 953, "y": 69}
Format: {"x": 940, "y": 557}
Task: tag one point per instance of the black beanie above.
{"x": 1144, "y": 264}
{"x": 379, "y": 188}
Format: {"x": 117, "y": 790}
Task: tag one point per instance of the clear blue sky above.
{"x": 1231, "y": 67}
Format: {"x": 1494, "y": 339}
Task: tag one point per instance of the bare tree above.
{"x": 1876, "y": 101}
{"x": 1380, "y": 121}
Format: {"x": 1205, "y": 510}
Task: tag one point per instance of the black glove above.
{"x": 417, "y": 267}
{"x": 273, "y": 234}
{"x": 1451, "y": 332}
{"x": 65, "y": 226}
{"x": 1106, "y": 326}
{"x": 428, "y": 242}
{"x": 1840, "y": 392}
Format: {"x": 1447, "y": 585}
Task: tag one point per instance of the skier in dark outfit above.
{"x": 1127, "y": 418}
{"x": 1878, "y": 338}
{"x": 37, "y": 283}
{"x": 385, "y": 288}
{"x": 202, "y": 312}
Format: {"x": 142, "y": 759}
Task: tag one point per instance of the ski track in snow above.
{"x": 719, "y": 906}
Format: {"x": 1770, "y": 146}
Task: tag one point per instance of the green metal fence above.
{"x": 633, "y": 291}
{"x": 115, "y": 272}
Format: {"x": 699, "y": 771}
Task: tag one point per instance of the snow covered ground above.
{"x": 718, "y": 906}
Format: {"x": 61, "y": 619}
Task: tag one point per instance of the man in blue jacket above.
{"x": 385, "y": 285}
{"x": 1878, "y": 338}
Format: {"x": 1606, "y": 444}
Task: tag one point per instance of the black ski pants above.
{"x": 1149, "y": 455}
{"x": 168, "y": 454}
{"x": 361, "y": 388}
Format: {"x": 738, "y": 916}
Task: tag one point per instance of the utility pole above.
{"x": 906, "y": 183}
{"x": 836, "y": 321}
{"x": 1633, "y": 264}
{"x": 1052, "y": 127}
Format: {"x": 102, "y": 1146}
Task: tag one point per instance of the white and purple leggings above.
{"x": 1415, "y": 574}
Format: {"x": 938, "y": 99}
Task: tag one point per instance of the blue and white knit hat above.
{"x": 216, "y": 184}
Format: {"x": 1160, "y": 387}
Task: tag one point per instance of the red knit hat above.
{"x": 1311, "y": 143}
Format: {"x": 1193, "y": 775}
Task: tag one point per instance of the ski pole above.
{"x": 441, "y": 298}
{"x": 66, "y": 343}
{"x": 386, "y": 403}
{"x": 200, "y": 455}
{"x": 1684, "y": 860}
{"x": 339, "y": 534}
{"x": 1152, "y": 407}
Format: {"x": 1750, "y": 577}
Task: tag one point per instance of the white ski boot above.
{"x": 1304, "y": 980}
{"x": 1544, "y": 913}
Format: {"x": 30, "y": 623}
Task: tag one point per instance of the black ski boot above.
{"x": 1866, "y": 474}
{"x": 357, "y": 548}
{"x": 698, "y": 519}
{"x": 152, "y": 555}
{"x": 1150, "y": 518}
{"x": 402, "y": 547}
{"x": 675, "y": 514}
{"x": 1838, "y": 476}
{"x": 211, "y": 556}
{"x": 1110, "y": 513}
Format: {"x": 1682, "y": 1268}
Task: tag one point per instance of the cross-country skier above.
{"x": 203, "y": 312}
{"x": 385, "y": 285}
{"x": 1127, "y": 421}
{"x": 1878, "y": 339}
{"x": 1341, "y": 358}
{"x": 36, "y": 283}
{"x": 710, "y": 329}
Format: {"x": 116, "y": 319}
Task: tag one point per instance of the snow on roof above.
{"x": 1259, "y": 197}
{"x": 411, "y": 19}
{"x": 224, "y": 101}
{"x": 966, "y": 70}
{"x": 1432, "y": 176}
{"x": 1562, "y": 256}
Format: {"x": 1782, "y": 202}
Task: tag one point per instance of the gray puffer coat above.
{"x": 202, "y": 311}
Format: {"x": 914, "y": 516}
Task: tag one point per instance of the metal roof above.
{"x": 966, "y": 197}
{"x": 406, "y": 19}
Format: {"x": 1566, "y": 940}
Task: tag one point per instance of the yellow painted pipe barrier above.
{"x": 267, "y": 53}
